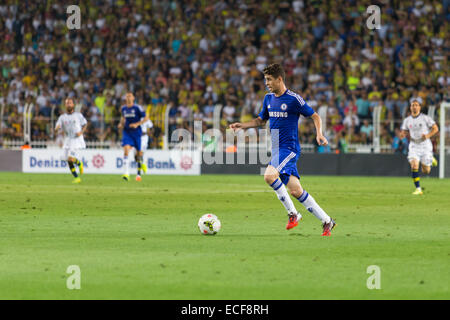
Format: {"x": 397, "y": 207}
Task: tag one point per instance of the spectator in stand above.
{"x": 229, "y": 112}
{"x": 363, "y": 106}
{"x": 366, "y": 132}
{"x": 399, "y": 144}
{"x": 351, "y": 123}
{"x": 353, "y": 80}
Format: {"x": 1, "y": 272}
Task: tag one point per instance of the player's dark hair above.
{"x": 275, "y": 70}
{"x": 416, "y": 101}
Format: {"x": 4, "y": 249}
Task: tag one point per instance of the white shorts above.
{"x": 72, "y": 146}
{"x": 421, "y": 153}
{"x": 144, "y": 143}
{"x": 71, "y": 153}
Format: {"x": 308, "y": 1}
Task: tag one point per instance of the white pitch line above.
{"x": 140, "y": 191}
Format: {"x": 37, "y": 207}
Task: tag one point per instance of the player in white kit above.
{"x": 421, "y": 128}
{"x": 145, "y": 128}
{"x": 73, "y": 125}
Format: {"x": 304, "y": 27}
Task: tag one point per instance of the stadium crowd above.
{"x": 193, "y": 55}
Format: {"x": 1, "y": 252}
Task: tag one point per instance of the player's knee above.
{"x": 426, "y": 170}
{"x": 297, "y": 192}
{"x": 270, "y": 178}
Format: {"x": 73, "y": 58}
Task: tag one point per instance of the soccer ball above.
{"x": 209, "y": 224}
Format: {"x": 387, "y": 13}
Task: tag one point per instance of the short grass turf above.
{"x": 140, "y": 240}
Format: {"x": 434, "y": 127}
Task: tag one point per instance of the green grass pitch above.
{"x": 140, "y": 240}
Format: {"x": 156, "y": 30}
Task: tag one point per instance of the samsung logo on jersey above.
{"x": 277, "y": 114}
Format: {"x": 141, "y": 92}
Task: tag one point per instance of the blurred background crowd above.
{"x": 194, "y": 55}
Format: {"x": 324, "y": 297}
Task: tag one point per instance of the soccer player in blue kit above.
{"x": 283, "y": 108}
{"x": 133, "y": 115}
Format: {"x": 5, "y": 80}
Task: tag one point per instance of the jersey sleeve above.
{"x": 429, "y": 121}
{"x": 302, "y": 107}
{"x": 404, "y": 126}
{"x": 83, "y": 120}
{"x": 150, "y": 124}
{"x": 264, "y": 114}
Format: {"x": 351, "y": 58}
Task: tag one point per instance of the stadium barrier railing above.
{"x": 2, "y": 110}
{"x": 379, "y": 143}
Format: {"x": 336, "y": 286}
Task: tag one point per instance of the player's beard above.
{"x": 70, "y": 109}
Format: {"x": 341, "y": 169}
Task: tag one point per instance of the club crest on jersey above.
{"x": 284, "y": 106}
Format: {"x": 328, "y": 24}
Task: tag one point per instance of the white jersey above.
{"x": 144, "y": 138}
{"x": 145, "y": 126}
{"x": 417, "y": 126}
{"x": 71, "y": 124}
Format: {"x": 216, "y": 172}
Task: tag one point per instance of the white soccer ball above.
{"x": 209, "y": 224}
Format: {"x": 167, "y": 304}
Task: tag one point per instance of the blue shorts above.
{"x": 132, "y": 139}
{"x": 285, "y": 161}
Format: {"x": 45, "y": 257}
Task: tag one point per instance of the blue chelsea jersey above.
{"x": 132, "y": 114}
{"x": 283, "y": 113}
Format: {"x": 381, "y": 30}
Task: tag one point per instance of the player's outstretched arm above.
{"x": 320, "y": 138}
{"x": 257, "y": 122}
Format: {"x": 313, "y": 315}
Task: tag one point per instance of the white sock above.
{"x": 125, "y": 164}
{"x": 311, "y": 205}
{"x": 284, "y": 197}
